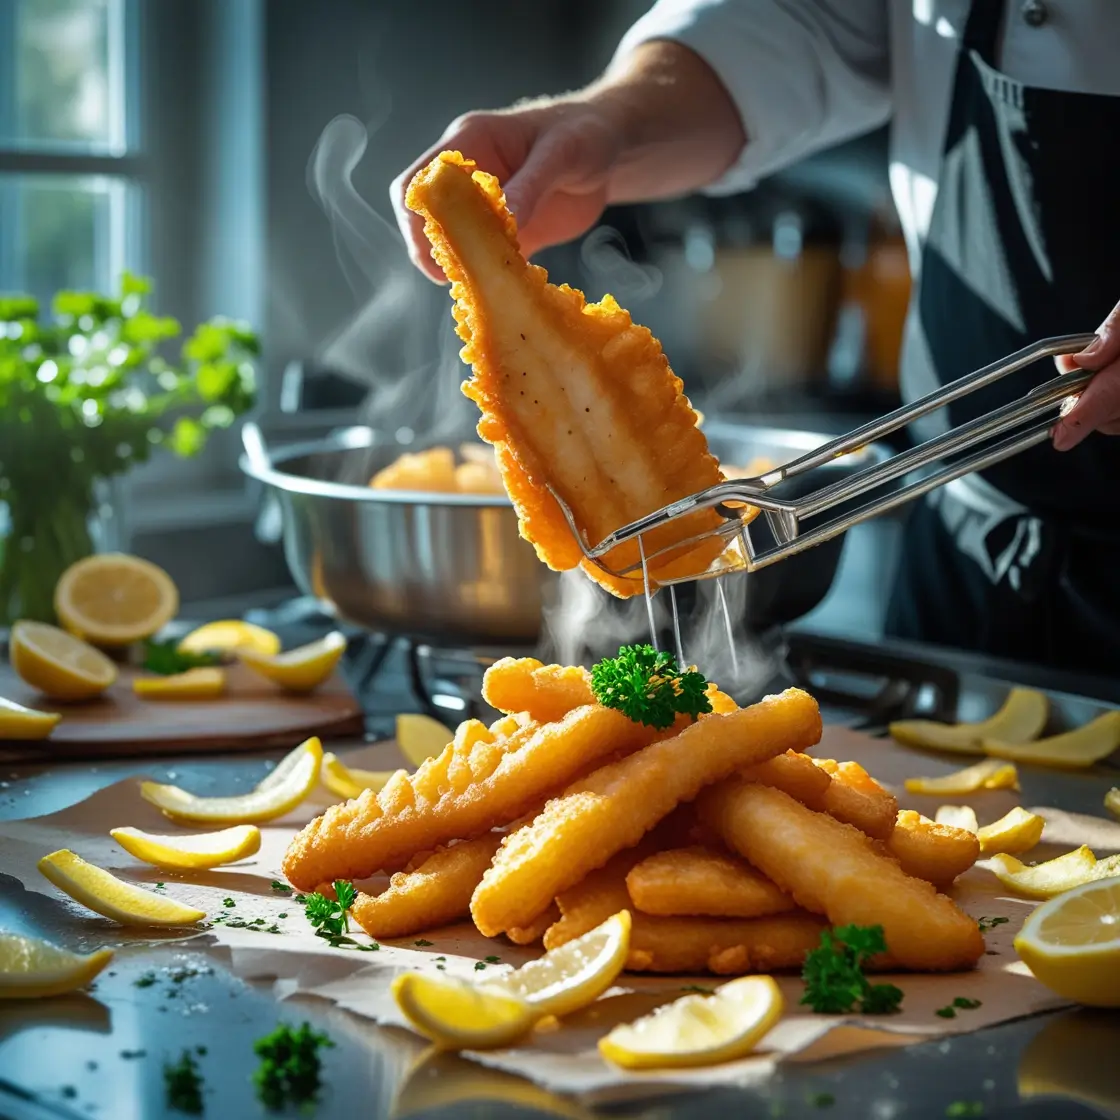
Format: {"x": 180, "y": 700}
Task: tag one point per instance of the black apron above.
{"x": 1020, "y": 247}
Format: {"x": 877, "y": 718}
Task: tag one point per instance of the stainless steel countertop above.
{"x": 66, "y": 1053}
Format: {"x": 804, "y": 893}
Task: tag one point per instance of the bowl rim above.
{"x": 265, "y": 468}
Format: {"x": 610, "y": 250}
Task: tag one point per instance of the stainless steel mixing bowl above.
{"x": 452, "y": 568}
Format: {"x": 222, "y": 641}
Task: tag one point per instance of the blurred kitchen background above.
{"x": 181, "y": 139}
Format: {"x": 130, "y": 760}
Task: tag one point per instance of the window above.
{"x": 70, "y": 190}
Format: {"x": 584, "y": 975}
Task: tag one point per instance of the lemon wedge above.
{"x": 698, "y": 1030}
{"x": 572, "y": 975}
{"x": 31, "y": 969}
{"x": 58, "y": 664}
{"x": 190, "y": 853}
{"x": 1021, "y": 719}
{"x": 344, "y": 781}
{"x": 114, "y": 599}
{"x": 203, "y": 683}
{"x": 461, "y": 1016}
{"x": 958, "y": 816}
{"x": 18, "y": 722}
{"x": 231, "y": 635}
{"x": 989, "y": 774}
{"x": 111, "y": 897}
{"x": 272, "y": 798}
{"x": 301, "y": 669}
{"x": 1045, "y": 880}
{"x": 1112, "y": 801}
{"x": 420, "y": 737}
{"x": 1072, "y": 943}
{"x": 1074, "y": 750}
{"x": 1015, "y": 832}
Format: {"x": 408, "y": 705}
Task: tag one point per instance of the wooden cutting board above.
{"x": 252, "y": 715}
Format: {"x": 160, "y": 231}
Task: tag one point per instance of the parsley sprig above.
{"x": 289, "y": 1069}
{"x": 183, "y": 1085}
{"x": 649, "y": 687}
{"x": 833, "y": 973}
{"x": 166, "y": 659}
{"x": 329, "y": 915}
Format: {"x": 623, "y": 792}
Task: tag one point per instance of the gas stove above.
{"x": 858, "y": 684}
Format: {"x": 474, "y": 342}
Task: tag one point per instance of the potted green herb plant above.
{"x": 84, "y": 397}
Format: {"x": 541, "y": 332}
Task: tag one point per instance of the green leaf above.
{"x": 188, "y": 437}
{"x": 133, "y": 285}
{"x": 214, "y": 379}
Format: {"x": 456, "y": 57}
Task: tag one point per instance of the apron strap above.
{"x": 981, "y": 31}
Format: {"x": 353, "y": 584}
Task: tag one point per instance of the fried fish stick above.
{"x": 927, "y": 850}
{"x": 697, "y": 881}
{"x": 546, "y": 692}
{"x": 616, "y": 805}
{"x": 833, "y": 869}
{"x": 573, "y": 395}
{"x": 471, "y": 787}
{"x": 684, "y": 944}
{"x": 436, "y": 893}
{"x": 793, "y": 773}
{"x": 854, "y": 797}
{"x": 535, "y": 930}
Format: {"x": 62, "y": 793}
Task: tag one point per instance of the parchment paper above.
{"x": 564, "y": 1060}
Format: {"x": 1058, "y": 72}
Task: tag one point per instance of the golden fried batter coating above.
{"x": 854, "y": 797}
{"x": 833, "y": 869}
{"x": 546, "y": 692}
{"x": 534, "y": 931}
{"x": 724, "y": 946}
{"x": 793, "y": 773}
{"x": 573, "y": 395}
{"x": 475, "y": 784}
{"x": 437, "y": 892}
{"x": 616, "y": 805}
{"x": 927, "y": 850}
{"x": 702, "y": 882}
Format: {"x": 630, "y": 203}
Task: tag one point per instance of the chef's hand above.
{"x": 1098, "y": 407}
{"x": 658, "y": 123}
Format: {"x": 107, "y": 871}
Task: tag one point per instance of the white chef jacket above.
{"x": 807, "y": 74}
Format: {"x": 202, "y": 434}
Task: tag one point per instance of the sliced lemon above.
{"x": 203, "y": 683}
{"x": 1112, "y": 801}
{"x": 18, "y": 722}
{"x": 1021, "y": 719}
{"x": 459, "y": 1015}
{"x": 190, "y": 853}
{"x": 573, "y": 975}
{"x": 698, "y": 1030}
{"x": 989, "y": 774}
{"x": 344, "y": 781}
{"x": 1072, "y": 943}
{"x": 1045, "y": 880}
{"x": 958, "y": 816}
{"x": 114, "y": 599}
{"x": 264, "y": 803}
{"x": 111, "y": 897}
{"x": 31, "y": 969}
{"x": 1015, "y": 832}
{"x": 231, "y": 635}
{"x": 58, "y": 664}
{"x": 301, "y": 669}
{"x": 420, "y": 737}
{"x": 1074, "y": 750}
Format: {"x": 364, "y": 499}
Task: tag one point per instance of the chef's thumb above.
{"x": 557, "y": 159}
{"x": 1105, "y": 347}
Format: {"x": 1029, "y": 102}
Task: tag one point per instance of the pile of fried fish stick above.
{"x": 731, "y": 847}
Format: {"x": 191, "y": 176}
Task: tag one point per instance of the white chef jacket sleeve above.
{"x": 804, "y": 74}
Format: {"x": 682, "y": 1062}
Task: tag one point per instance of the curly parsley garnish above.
{"x": 328, "y": 915}
{"x": 290, "y": 1067}
{"x": 833, "y": 973}
{"x": 648, "y": 687}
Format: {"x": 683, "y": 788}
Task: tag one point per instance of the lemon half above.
{"x": 31, "y": 969}
{"x": 18, "y": 722}
{"x": 58, "y": 664}
{"x": 114, "y": 599}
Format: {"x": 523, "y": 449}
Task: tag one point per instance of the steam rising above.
{"x": 605, "y": 256}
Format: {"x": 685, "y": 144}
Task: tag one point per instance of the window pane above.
{"x": 61, "y": 231}
{"x": 68, "y": 70}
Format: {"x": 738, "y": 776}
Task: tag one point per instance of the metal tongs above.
{"x": 1000, "y": 434}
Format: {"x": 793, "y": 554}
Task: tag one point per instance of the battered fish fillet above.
{"x": 697, "y": 881}
{"x": 833, "y": 869}
{"x": 474, "y": 785}
{"x": 573, "y": 395}
{"x": 437, "y": 892}
{"x": 793, "y": 773}
{"x": 927, "y": 850}
{"x": 854, "y": 797}
{"x": 534, "y": 931}
{"x": 546, "y": 692}
{"x": 725, "y": 946}
{"x": 616, "y": 805}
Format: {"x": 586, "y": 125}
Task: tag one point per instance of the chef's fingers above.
{"x": 1096, "y": 410}
{"x": 1105, "y": 348}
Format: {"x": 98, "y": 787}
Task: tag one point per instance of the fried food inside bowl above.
{"x": 438, "y": 470}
